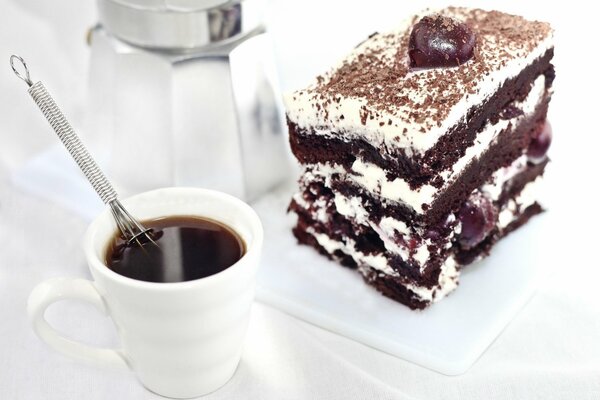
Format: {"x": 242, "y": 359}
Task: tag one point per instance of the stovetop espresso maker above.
{"x": 186, "y": 90}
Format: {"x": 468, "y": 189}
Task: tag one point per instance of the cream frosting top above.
{"x": 374, "y": 95}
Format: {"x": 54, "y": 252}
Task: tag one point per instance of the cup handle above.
{"x": 53, "y": 290}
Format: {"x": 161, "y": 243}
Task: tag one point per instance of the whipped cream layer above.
{"x": 374, "y": 179}
{"x": 513, "y": 209}
{"x": 447, "y": 281}
{"x": 449, "y": 271}
{"x": 412, "y": 109}
{"x": 395, "y": 234}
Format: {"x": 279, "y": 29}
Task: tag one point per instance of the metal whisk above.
{"x": 131, "y": 229}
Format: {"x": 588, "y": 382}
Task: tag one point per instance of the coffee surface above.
{"x": 184, "y": 248}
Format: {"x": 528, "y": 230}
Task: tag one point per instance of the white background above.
{"x": 550, "y": 351}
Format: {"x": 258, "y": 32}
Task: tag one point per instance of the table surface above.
{"x": 550, "y": 351}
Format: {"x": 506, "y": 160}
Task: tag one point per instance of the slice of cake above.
{"x": 423, "y": 147}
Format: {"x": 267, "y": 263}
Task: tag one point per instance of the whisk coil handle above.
{"x": 71, "y": 141}
{"x": 65, "y": 131}
{"x": 130, "y": 228}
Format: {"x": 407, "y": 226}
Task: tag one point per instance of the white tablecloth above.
{"x": 550, "y": 351}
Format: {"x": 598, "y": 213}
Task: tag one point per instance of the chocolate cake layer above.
{"x": 378, "y": 209}
{"x": 395, "y": 289}
{"x": 328, "y": 239}
{"x": 311, "y": 148}
{"x": 324, "y": 214}
{"x": 508, "y": 145}
{"x": 366, "y": 241}
{"x": 416, "y": 122}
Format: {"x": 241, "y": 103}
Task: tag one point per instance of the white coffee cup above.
{"x": 181, "y": 339}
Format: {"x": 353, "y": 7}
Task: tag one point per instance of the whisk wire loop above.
{"x": 25, "y": 78}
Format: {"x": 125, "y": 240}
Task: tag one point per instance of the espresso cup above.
{"x": 181, "y": 339}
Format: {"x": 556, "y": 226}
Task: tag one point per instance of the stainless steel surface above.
{"x": 180, "y": 24}
{"x": 131, "y": 229}
{"x": 210, "y": 118}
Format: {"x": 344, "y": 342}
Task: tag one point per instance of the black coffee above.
{"x": 185, "y": 248}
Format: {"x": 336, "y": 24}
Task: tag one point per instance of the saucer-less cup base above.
{"x": 181, "y": 339}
